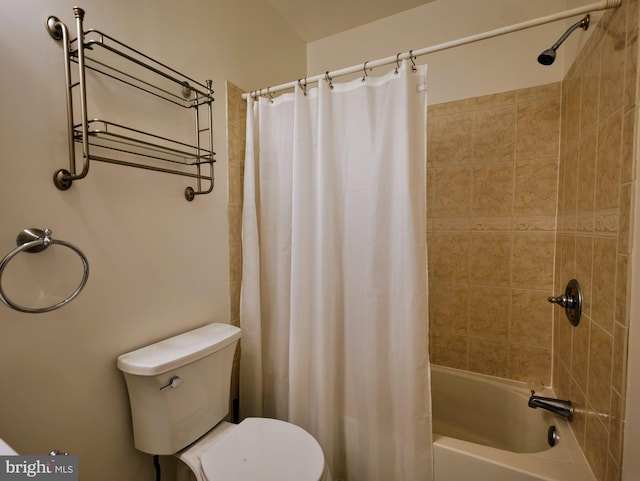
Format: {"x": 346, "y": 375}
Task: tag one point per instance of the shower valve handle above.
{"x": 563, "y": 301}
{"x": 571, "y": 300}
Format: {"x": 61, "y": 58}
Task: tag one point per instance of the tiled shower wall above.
{"x": 492, "y": 192}
{"x": 597, "y": 182}
{"x": 236, "y": 124}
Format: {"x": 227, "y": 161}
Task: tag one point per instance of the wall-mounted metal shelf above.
{"x": 120, "y": 138}
{"x": 96, "y": 51}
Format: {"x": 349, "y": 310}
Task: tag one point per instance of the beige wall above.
{"x": 159, "y": 264}
{"x": 597, "y": 183}
{"x": 492, "y": 173}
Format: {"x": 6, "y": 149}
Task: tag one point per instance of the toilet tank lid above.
{"x": 179, "y": 350}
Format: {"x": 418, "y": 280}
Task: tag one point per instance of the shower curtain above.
{"x": 334, "y": 292}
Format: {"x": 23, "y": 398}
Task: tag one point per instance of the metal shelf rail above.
{"x": 99, "y": 52}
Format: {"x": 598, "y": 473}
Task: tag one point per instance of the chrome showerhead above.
{"x": 548, "y": 56}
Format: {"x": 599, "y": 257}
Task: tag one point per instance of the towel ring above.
{"x": 36, "y": 240}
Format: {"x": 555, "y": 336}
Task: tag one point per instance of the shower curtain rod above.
{"x": 601, "y": 5}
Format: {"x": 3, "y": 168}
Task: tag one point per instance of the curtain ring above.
{"x": 413, "y": 64}
{"x": 270, "y": 94}
{"x": 398, "y": 62}
{"x": 303, "y": 87}
{"x": 328, "y": 79}
{"x": 364, "y": 71}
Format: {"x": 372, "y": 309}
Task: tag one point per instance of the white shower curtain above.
{"x": 334, "y": 292}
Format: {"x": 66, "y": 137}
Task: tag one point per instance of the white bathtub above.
{"x": 483, "y": 430}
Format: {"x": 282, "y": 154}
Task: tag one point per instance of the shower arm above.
{"x": 583, "y": 24}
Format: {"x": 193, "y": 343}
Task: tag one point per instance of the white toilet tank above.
{"x": 179, "y": 387}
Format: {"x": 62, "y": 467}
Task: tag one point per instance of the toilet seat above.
{"x": 257, "y": 448}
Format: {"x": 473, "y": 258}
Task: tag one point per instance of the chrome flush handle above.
{"x": 175, "y": 381}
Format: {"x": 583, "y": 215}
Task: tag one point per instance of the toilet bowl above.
{"x": 179, "y": 396}
{"x": 256, "y": 449}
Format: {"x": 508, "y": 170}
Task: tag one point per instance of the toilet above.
{"x": 179, "y": 395}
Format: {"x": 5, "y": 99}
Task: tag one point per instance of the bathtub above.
{"x": 483, "y": 430}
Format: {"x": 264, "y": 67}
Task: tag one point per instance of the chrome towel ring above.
{"x": 36, "y": 240}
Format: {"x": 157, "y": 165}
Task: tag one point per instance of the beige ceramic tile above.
{"x": 609, "y": 162}
{"x": 606, "y": 223}
{"x": 604, "y": 281}
{"x": 562, "y": 380}
{"x": 490, "y": 259}
{"x": 234, "y": 304}
{"x": 448, "y": 349}
{"x": 529, "y": 363}
{"x": 623, "y": 292}
{"x": 449, "y": 308}
{"x": 489, "y": 312}
{"x": 570, "y": 192}
{"x": 538, "y": 129}
{"x": 600, "y": 362}
{"x": 585, "y": 223}
{"x": 235, "y": 262}
{"x": 628, "y": 169}
{"x": 619, "y": 372}
{"x": 455, "y": 107}
{"x": 572, "y": 97}
{"x": 431, "y": 138}
{"x": 613, "y": 67}
{"x": 489, "y": 357}
{"x": 488, "y": 224}
{"x": 495, "y": 100}
{"x": 452, "y": 224}
{"x": 430, "y": 191}
{"x": 453, "y": 139}
{"x": 531, "y": 316}
{"x": 590, "y": 93}
{"x": 596, "y": 439}
{"x": 534, "y": 223}
{"x": 452, "y": 195}
{"x": 584, "y": 270}
{"x": 580, "y": 350}
{"x": 236, "y": 177}
{"x": 563, "y": 340}
{"x": 235, "y": 223}
{"x": 449, "y": 257}
{"x": 579, "y": 421}
{"x": 236, "y": 123}
{"x": 625, "y": 221}
{"x": 614, "y": 472}
{"x": 540, "y": 93}
{"x": 568, "y": 257}
{"x": 631, "y": 61}
{"x": 494, "y": 134}
{"x": 535, "y": 190}
{"x": 532, "y": 260}
{"x": 492, "y": 190}
{"x": 616, "y": 429}
{"x": 586, "y": 174}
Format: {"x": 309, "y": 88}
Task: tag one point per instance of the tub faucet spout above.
{"x": 557, "y": 406}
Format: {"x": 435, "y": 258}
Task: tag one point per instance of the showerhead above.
{"x": 548, "y": 56}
